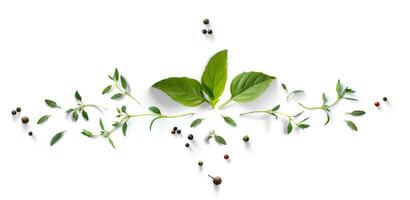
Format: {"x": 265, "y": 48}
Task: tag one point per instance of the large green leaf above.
{"x": 247, "y": 86}
{"x": 215, "y": 75}
{"x": 183, "y": 90}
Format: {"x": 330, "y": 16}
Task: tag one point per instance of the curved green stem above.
{"x": 311, "y": 108}
{"x": 98, "y": 107}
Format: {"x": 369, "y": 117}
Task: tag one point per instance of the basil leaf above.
{"x": 357, "y": 113}
{"x": 215, "y": 75}
{"x": 247, "y": 86}
{"x": 351, "y": 125}
{"x": 78, "y": 96}
{"x": 107, "y": 89}
{"x": 289, "y": 127}
{"x": 124, "y": 128}
{"x": 117, "y": 96}
{"x": 51, "y": 103}
{"x": 219, "y": 139}
{"x": 229, "y": 121}
{"x": 56, "y": 138}
{"x": 123, "y": 83}
{"x": 196, "y": 122}
{"x": 155, "y": 110}
{"x": 85, "y": 115}
{"x": 183, "y": 90}
{"x": 87, "y": 133}
{"x": 43, "y": 119}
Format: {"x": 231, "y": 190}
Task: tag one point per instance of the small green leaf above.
{"x": 284, "y": 87}
{"x": 338, "y": 88}
{"x": 152, "y": 122}
{"x": 107, "y": 89}
{"x": 303, "y": 126}
{"x": 74, "y": 116}
{"x": 51, "y": 103}
{"x": 116, "y": 74}
{"x": 69, "y": 110}
{"x": 124, "y": 109}
{"x": 297, "y": 115}
{"x": 293, "y": 93}
{"x": 124, "y": 128}
{"x": 304, "y": 120}
{"x": 289, "y": 127}
{"x": 351, "y": 99}
{"x": 351, "y": 125}
{"x": 196, "y": 122}
{"x": 219, "y": 139}
{"x": 276, "y": 116}
{"x": 324, "y": 98}
{"x": 117, "y": 96}
{"x": 111, "y": 142}
{"x": 155, "y": 110}
{"x": 101, "y": 124}
{"x": 357, "y": 113}
{"x": 43, "y": 119}
{"x": 229, "y": 121}
{"x": 87, "y": 133}
{"x": 56, "y": 138}
{"x": 78, "y": 96}
{"x": 123, "y": 83}
{"x": 327, "y": 118}
{"x": 85, "y": 115}
{"x": 275, "y": 108}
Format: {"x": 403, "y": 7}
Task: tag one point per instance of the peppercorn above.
{"x": 226, "y": 156}
{"x": 173, "y": 132}
{"x": 216, "y": 180}
{"x": 384, "y": 98}
{"x": 377, "y": 104}
{"x": 179, "y": 131}
{"x": 210, "y": 31}
{"x": 186, "y": 144}
{"x": 18, "y": 109}
{"x": 245, "y": 138}
{"x": 200, "y": 163}
{"x": 190, "y": 137}
{"x": 175, "y": 128}
{"x": 206, "y": 21}
{"x": 13, "y": 112}
{"x": 204, "y": 31}
{"x": 30, "y": 133}
{"x": 25, "y": 120}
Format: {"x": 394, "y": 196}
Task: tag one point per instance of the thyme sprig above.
{"x": 120, "y": 84}
{"x": 80, "y": 108}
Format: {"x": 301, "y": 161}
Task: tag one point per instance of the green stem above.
{"x": 98, "y": 107}
{"x": 125, "y": 92}
{"x": 268, "y": 112}
{"x": 311, "y": 108}
{"x": 223, "y": 104}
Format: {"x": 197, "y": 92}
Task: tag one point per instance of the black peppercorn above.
{"x": 200, "y": 163}
{"x": 217, "y": 180}
{"x": 204, "y": 31}
{"x": 210, "y": 31}
{"x": 186, "y": 144}
{"x": 175, "y": 128}
{"x": 173, "y": 132}
{"x": 13, "y": 112}
{"x": 25, "y": 120}
{"x": 245, "y": 138}
{"x": 179, "y": 131}
{"x": 206, "y": 21}
{"x": 18, "y": 109}
{"x": 384, "y": 98}
{"x": 190, "y": 137}
{"x": 30, "y": 133}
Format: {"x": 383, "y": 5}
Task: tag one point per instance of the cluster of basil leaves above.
{"x": 245, "y": 87}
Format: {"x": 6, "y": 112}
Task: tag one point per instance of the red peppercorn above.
{"x": 377, "y": 104}
{"x": 226, "y": 156}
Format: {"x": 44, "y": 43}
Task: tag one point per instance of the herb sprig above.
{"x": 342, "y": 93}
{"x": 290, "y": 118}
{"x": 289, "y": 95}
{"x": 120, "y": 84}
{"x": 218, "y": 139}
{"x": 80, "y": 108}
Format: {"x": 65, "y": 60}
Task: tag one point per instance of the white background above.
{"x": 49, "y": 49}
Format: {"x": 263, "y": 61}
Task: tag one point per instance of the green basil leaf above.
{"x": 196, "y": 122}
{"x": 229, "y": 121}
{"x": 215, "y": 75}
{"x": 51, "y": 103}
{"x": 85, "y": 115}
{"x": 275, "y": 108}
{"x": 124, "y": 83}
{"x": 219, "y": 139}
{"x": 117, "y": 96}
{"x": 183, "y": 90}
{"x": 107, "y": 89}
{"x": 152, "y": 122}
{"x": 155, "y": 110}
{"x": 351, "y": 125}
{"x": 87, "y": 133}
{"x": 124, "y": 128}
{"x": 56, "y": 138}
{"x": 111, "y": 142}
{"x": 247, "y": 86}
{"x": 357, "y": 113}
{"x": 78, "y": 96}
{"x": 43, "y": 119}
{"x": 289, "y": 127}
